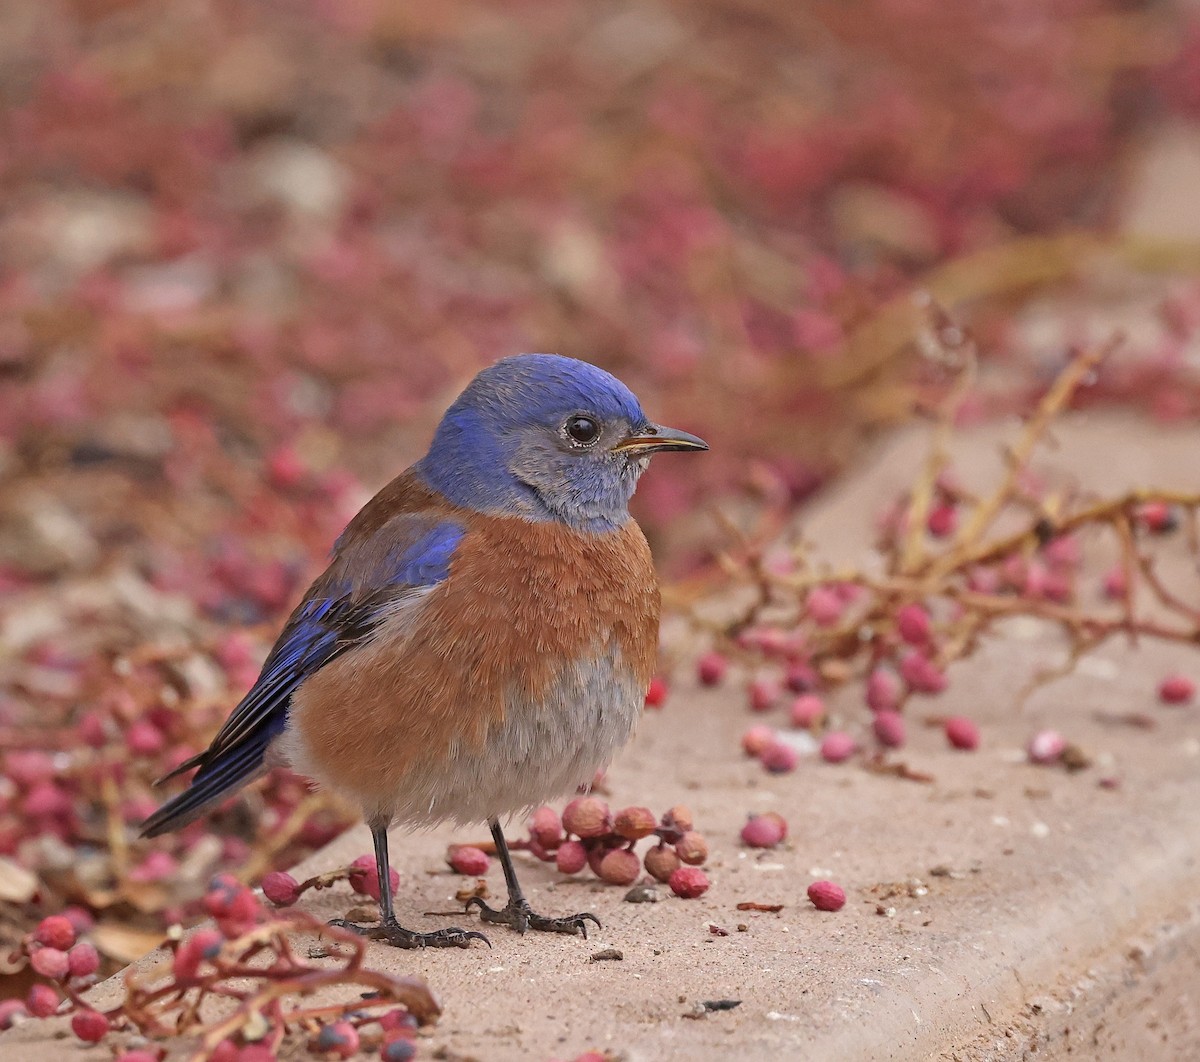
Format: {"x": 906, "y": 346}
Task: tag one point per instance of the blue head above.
{"x": 546, "y": 438}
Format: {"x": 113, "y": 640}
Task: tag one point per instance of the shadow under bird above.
{"x": 483, "y": 637}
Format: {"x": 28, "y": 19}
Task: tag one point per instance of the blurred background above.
{"x": 249, "y": 251}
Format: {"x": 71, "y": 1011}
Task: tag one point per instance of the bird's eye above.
{"x": 583, "y": 430}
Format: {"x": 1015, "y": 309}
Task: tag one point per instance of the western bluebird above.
{"x": 484, "y": 635}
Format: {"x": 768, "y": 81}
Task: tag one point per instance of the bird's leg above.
{"x": 516, "y": 913}
{"x": 391, "y": 931}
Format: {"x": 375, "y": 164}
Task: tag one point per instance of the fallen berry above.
{"x": 89, "y": 1025}
{"x": 50, "y": 962}
{"x": 281, "y": 888}
{"x": 340, "y": 1039}
{"x": 545, "y": 827}
{"x": 469, "y": 860}
{"x": 962, "y": 733}
{"x": 41, "y": 1001}
{"x": 1176, "y": 689}
{"x": 656, "y": 694}
{"x": 826, "y": 896}
{"x": 807, "y": 712}
{"x": 711, "y": 668}
{"x": 889, "y": 729}
{"x": 1046, "y": 746}
{"x": 10, "y": 1009}
{"x": 55, "y": 931}
{"x": 763, "y": 831}
{"x": 634, "y": 823}
{"x": 688, "y": 882}
{"x": 756, "y": 739}
{"x": 838, "y": 746}
{"x": 692, "y": 848}
{"x": 83, "y": 960}
{"x": 620, "y": 867}
{"x": 661, "y": 862}
{"x": 571, "y": 857}
{"x": 883, "y": 690}
{"x": 364, "y": 877}
{"x": 398, "y": 1049}
{"x": 913, "y": 625}
{"x": 779, "y": 757}
{"x": 587, "y": 817}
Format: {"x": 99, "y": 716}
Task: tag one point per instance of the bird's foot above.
{"x": 391, "y": 932}
{"x": 517, "y": 915}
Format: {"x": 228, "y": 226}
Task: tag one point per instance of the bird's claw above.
{"x": 398, "y": 937}
{"x": 519, "y": 917}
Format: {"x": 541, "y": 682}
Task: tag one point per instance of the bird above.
{"x": 482, "y": 639}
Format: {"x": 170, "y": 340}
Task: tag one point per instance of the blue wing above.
{"x": 367, "y": 581}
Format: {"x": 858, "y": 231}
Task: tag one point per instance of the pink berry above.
{"x": 883, "y": 690}
{"x": 397, "y": 1049}
{"x": 587, "y": 817}
{"x": 225, "y": 1051}
{"x": 339, "y": 1039}
{"x": 764, "y": 692}
{"x": 83, "y": 960}
{"x": 1158, "y": 517}
{"x": 801, "y": 678}
{"x": 838, "y": 746}
{"x": 657, "y": 693}
{"x": 620, "y": 867}
{"x": 826, "y": 896}
{"x": 203, "y": 945}
{"x": 55, "y": 931}
{"x": 50, "y": 962}
{"x": 1046, "y": 746}
{"x": 763, "y": 831}
{"x": 1176, "y": 689}
{"x": 921, "y": 673}
{"x": 634, "y": 823}
{"x": 545, "y": 827}
{"x": 808, "y": 711}
{"x": 962, "y": 733}
{"x": 661, "y": 862}
{"x": 711, "y": 668}
{"x": 912, "y": 622}
{"x": 571, "y": 857}
{"x": 943, "y": 519}
{"x": 757, "y": 739}
{"x": 281, "y": 888}
{"x": 678, "y": 817}
{"x": 146, "y": 1056}
{"x": 89, "y": 1025}
{"x": 9, "y": 1010}
{"x": 364, "y": 877}
{"x": 285, "y": 467}
{"x": 824, "y": 605}
{"x": 779, "y": 758}
{"x": 469, "y": 860}
{"x": 157, "y": 866}
{"x": 889, "y": 729}
{"x": 144, "y": 738}
{"x": 688, "y": 882}
{"x": 41, "y": 1001}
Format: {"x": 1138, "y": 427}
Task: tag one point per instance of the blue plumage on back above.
{"x": 341, "y": 611}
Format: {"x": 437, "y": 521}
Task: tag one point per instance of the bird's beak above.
{"x": 655, "y": 439}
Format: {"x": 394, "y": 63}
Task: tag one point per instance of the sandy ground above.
{"x": 1002, "y": 910}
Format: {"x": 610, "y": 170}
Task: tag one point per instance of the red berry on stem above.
{"x": 807, "y": 711}
{"x": 688, "y": 882}
{"x": 779, "y": 758}
{"x": 921, "y": 673}
{"x": 571, "y": 857}
{"x": 587, "y": 817}
{"x": 942, "y": 521}
{"x": 889, "y": 729}
{"x": 912, "y": 622}
{"x": 883, "y": 690}
{"x": 764, "y": 692}
{"x": 10, "y": 1009}
{"x": 41, "y": 1001}
{"x": 962, "y": 733}
{"x": 83, "y": 960}
{"x": 281, "y": 888}
{"x": 339, "y": 1039}
{"x": 827, "y": 896}
{"x": 756, "y": 739}
{"x": 657, "y": 693}
{"x": 89, "y": 1025}
{"x": 50, "y": 962}
{"x": 545, "y": 827}
{"x": 824, "y": 605}
{"x": 692, "y": 848}
{"x": 661, "y": 862}
{"x": 620, "y": 867}
{"x": 634, "y": 823}
{"x": 55, "y": 931}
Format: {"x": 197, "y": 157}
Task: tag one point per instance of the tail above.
{"x": 214, "y": 782}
